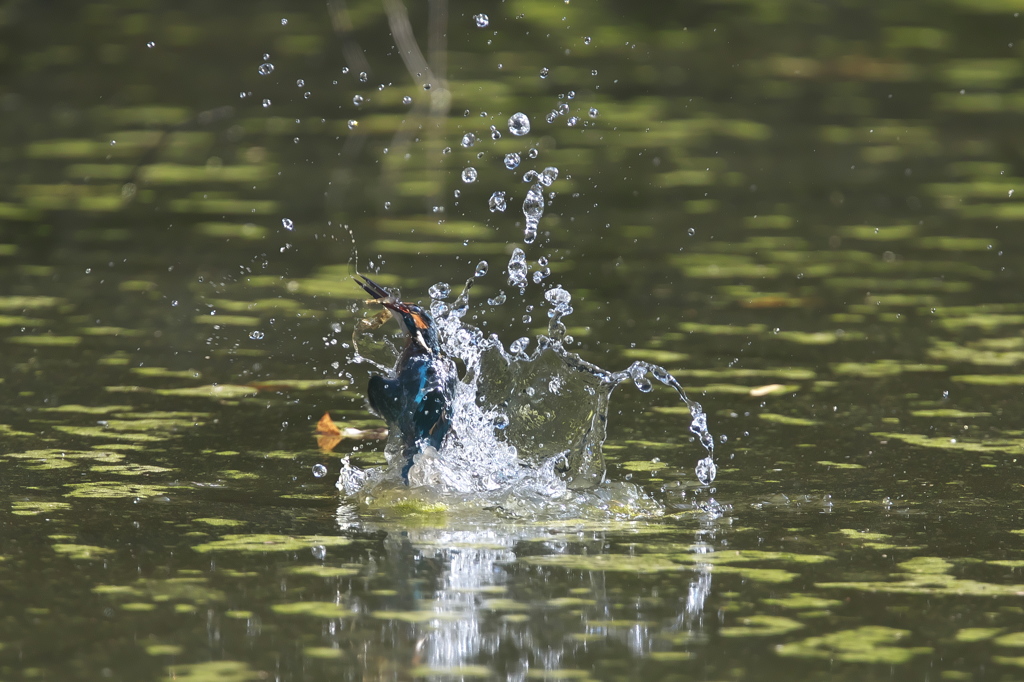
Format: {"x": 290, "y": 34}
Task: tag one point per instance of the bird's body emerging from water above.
{"x": 416, "y": 402}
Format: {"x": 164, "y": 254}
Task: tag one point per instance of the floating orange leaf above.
{"x": 327, "y": 427}
{"x": 329, "y": 434}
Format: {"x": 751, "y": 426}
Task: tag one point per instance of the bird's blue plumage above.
{"x": 417, "y": 402}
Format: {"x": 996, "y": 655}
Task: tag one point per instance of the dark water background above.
{"x": 808, "y": 211}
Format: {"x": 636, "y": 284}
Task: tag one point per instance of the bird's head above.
{"x": 417, "y": 323}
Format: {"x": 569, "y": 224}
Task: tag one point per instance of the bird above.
{"x": 416, "y": 402}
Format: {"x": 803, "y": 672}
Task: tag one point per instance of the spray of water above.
{"x": 528, "y": 425}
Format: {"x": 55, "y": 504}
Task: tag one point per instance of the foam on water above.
{"x": 528, "y": 426}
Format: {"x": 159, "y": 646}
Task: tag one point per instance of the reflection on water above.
{"x": 469, "y": 603}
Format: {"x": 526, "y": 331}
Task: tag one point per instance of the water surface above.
{"x": 808, "y": 213}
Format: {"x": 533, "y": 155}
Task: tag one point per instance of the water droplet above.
{"x": 544, "y": 72}
{"x": 256, "y": 335}
{"x": 593, "y": 112}
{"x": 426, "y": 86}
{"x": 691, "y": 231}
{"x": 533, "y": 204}
{"x": 300, "y": 83}
{"x": 469, "y": 174}
{"x": 586, "y": 40}
{"x": 563, "y": 109}
{"x": 497, "y": 300}
{"x": 706, "y": 470}
{"x": 495, "y": 133}
{"x": 352, "y": 123}
{"x": 266, "y": 103}
{"x": 387, "y": 205}
{"x": 151, "y": 44}
{"x": 344, "y": 69}
{"x": 481, "y": 269}
{"x": 517, "y": 269}
{"x": 533, "y": 153}
{"x": 319, "y": 470}
{"x": 357, "y": 100}
{"x": 482, "y": 20}
{"x": 530, "y": 176}
{"x": 440, "y": 291}
{"x": 363, "y": 77}
{"x": 284, "y": 22}
{"x": 408, "y": 100}
{"x": 519, "y": 345}
{"x": 548, "y": 176}
{"x": 287, "y": 223}
{"x": 500, "y": 420}
{"x": 497, "y": 202}
{"x": 446, "y": 150}
{"x": 266, "y": 69}
{"x": 511, "y": 160}
{"x": 468, "y": 140}
{"x": 557, "y": 296}
{"x": 519, "y": 124}
{"x": 573, "y": 120}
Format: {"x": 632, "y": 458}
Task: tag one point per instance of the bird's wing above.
{"x": 385, "y": 398}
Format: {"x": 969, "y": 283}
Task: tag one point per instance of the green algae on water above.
{"x": 317, "y": 609}
{"x": 270, "y": 543}
{"x": 866, "y": 644}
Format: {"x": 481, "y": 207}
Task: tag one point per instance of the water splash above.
{"x": 528, "y": 426}
{"x": 533, "y": 209}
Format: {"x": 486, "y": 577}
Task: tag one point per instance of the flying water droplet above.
{"x": 287, "y": 224}
{"x": 468, "y": 140}
{"x": 548, "y": 176}
{"x": 706, "y": 470}
{"x": 357, "y": 100}
{"x": 482, "y": 20}
{"x": 151, "y": 44}
{"x": 266, "y": 103}
{"x": 573, "y": 120}
{"x": 352, "y": 124}
{"x": 497, "y": 300}
{"x": 511, "y": 160}
{"x": 469, "y": 174}
{"x": 533, "y": 153}
{"x": 497, "y": 203}
{"x": 256, "y": 335}
{"x": 519, "y": 124}
{"x": 481, "y": 269}
{"x": 407, "y": 100}
{"x": 593, "y": 112}
{"x": 266, "y": 69}
{"x": 517, "y": 269}
{"x": 495, "y": 133}
{"x": 519, "y": 345}
{"x": 319, "y": 470}
{"x": 533, "y": 209}
{"x": 440, "y": 291}
{"x": 544, "y": 72}
{"x": 363, "y": 77}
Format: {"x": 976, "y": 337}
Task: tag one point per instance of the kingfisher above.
{"x": 416, "y": 402}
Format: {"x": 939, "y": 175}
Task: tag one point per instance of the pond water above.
{"x": 808, "y": 212}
